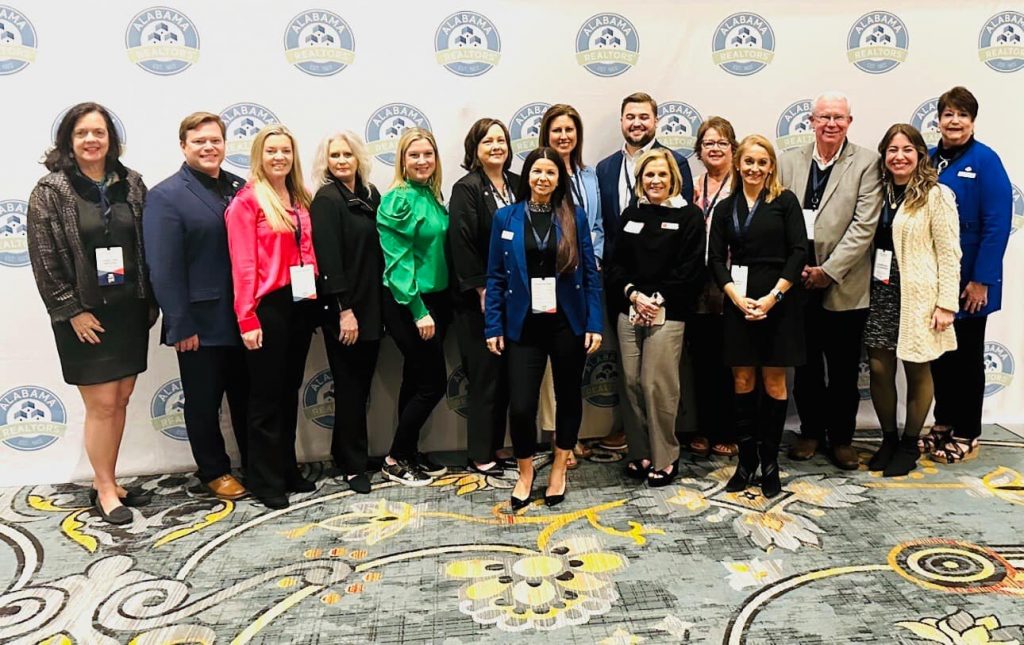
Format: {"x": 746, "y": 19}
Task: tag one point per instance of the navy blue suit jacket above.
{"x": 507, "y": 302}
{"x": 609, "y": 171}
{"x": 187, "y": 255}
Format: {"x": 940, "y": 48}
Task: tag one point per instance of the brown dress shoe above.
{"x": 845, "y": 457}
{"x": 227, "y": 487}
{"x": 614, "y": 441}
{"x": 803, "y": 449}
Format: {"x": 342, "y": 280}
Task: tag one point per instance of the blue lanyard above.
{"x": 542, "y": 245}
{"x": 709, "y": 208}
{"x": 741, "y": 231}
{"x": 818, "y": 184}
{"x": 578, "y": 191}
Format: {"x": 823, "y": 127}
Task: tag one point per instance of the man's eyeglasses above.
{"x": 837, "y": 118}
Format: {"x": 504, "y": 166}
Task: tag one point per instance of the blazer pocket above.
{"x": 203, "y": 295}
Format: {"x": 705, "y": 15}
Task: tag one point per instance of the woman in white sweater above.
{"x": 914, "y": 291}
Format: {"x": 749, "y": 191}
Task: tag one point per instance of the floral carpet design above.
{"x": 934, "y": 557}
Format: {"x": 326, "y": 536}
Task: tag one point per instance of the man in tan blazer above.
{"x": 840, "y": 189}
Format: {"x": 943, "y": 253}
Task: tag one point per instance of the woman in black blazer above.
{"x": 487, "y": 187}
{"x": 344, "y": 219}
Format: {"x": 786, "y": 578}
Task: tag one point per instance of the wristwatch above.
{"x": 779, "y": 294}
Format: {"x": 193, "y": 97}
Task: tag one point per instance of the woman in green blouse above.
{"x": 413, "y": 226}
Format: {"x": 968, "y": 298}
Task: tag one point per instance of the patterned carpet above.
{"x": 838, "y": 558}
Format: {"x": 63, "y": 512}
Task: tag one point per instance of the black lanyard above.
{"x": 542, "y": 244}
{"x": 709, "y": 208}
{"x": 298, "y": 233}
{"x": 818, "y": 180}
{"x": 498, "y": 195}
{"x": 741, "y": 231}
{"x": 891, "y": 206}
{"x": 626, "y": 175}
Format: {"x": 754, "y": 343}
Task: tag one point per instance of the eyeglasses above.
{"x": 708, "y": 145}
{"x": 839, "y": 119}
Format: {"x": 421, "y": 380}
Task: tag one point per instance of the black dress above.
{"x": 774, "y": 246}
{"x": 123, "y": 315}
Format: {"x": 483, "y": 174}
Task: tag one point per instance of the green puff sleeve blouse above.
{"x": 413, "y": 227}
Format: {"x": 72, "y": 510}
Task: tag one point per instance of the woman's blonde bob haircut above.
{"x": 322, "y": 161}
{"x": 409, "y": 137}
{"x": 275, "y": 211}
{"x": 772, "y": 185}
{"x": 654, "y": 154}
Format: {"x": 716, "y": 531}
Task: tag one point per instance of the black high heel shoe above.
{"x": 519, "y": 504}
{"x": 554, "y": 500}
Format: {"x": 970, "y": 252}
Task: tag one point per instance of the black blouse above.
{"x": 540, "y": 258}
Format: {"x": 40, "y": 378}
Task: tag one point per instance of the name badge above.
{"x": 883, "y": 265}
{"x": 542, "y": 296}
{"x": 739, "y": 279}
{"x": 967, "y": 173}
{"x": 303, "y": 282}
{"x": 810, "y": 215}
{"x": 671, "y": 226}
{"x": 109, "y": 266}
{"x": 507, "y": 235}
{"x": 633, "y": 226}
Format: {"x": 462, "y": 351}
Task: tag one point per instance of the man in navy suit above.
{"x": 189, "y": 267}
{"x": 638, "y": 118}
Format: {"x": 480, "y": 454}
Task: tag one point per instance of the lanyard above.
{"x": 505, "y": 198}
{"x": 542, "y": 244}
{"x": 626, "y": 176}
{"x": 298, "y": 233}
{"x": 741, "y": 231}
{"x": 709, "y": 208}
{"x": 577, "y": 191}
{"x": 890, "y": 205}
{"x": 818, "y": 180}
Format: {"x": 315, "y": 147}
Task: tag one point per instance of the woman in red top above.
{"x": 273, "y": 267}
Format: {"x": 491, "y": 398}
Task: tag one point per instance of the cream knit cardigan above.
{"x": 927, "y": 245}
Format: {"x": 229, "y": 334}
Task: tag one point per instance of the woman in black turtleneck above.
{"x": 655, "y": 276}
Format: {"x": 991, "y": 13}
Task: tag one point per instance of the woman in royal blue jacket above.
{"x": 544, "y": 298}
{"x": 984, "y": 199}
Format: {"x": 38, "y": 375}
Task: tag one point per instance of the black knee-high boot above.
{"x": 745, "y": 420}
{"x": 772, "y": 421}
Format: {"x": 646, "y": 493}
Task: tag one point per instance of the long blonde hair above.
{"x": 321, "y": 162}
{"x": 924, "y": 176}
{"x": 409, "y": 137}
{"x": 275, "y": 211}
{"x": 772, "y": 185}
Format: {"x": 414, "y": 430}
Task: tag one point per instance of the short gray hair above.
{"x": 321, "y": 174}
{"x": 832, "y": 95}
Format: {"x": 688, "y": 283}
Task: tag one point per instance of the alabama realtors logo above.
{"x": 318, "y": 399}
{"x": 1001, "y": 42}
{"x": 13, "y": 239}
{"x": 319, "y": 43}
{"x": 999, "y": 368}
{"x": 794, "y": 128}
{"x": 458, "y": 392}
{"x": 167, "y": 410}
{"x": 677, "y": 127}
{"x": 600, "y": 379}
{"x": 926, "y": 120}
{"x": 877, "y": 42}
{"x": 242, "y": 122}
{"x": 162, "y": 41}
{"x": 467, "y": 44}
{"x": 607, "y": 45}
{"x": 31, "y": 418}
{"x": 386, "y": 125}
{"x": 18, "y": 41}
{"x": 524, "y": 128}
{"x": 743, "y": 44}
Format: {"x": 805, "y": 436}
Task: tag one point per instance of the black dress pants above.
{"x": 423, "y": 368}
{"x": 352, "y": 368}
{"x": 712, "y": 382}
{"x": 487, "y": 381}
{"x": 206, "y": 375}
{"x": 959, "y": 378}
{"x": 275, "y": 376}
{"x": 545, "y": 336}
{"x": 825, "y": 387}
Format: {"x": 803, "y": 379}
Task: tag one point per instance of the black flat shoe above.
{"x": 495, "y": 470}
{"x": 120, "y": 514}
{"x": 134, "y": 499}
{"x": 273, "y": 502}
{"x": 300, "y": 485}
{"x": 519, "y": 504}
{"x": 359, "y": 484}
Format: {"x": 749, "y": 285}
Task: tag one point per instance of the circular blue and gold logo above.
{"x": 926, "y": 120}
{"x": 243, "y": 121}
{"x": 467, "y": 44}
{"x": 678, "y": 123}
{"x": 1016, "y": 223}
{"x": 167, "y": 410}
{"x": 385, "y": 126}
{"x": 318, "y": 399}
{"x": 601, "y": 379}
{"x": 319, "y": 43}
{"x": 524, "y": 128}
{"x": 794, "y": 127}
{"x": 607, "y": 45}
{"x": 13, "y": 238}
{"x": 18, "y": 41}
{"x": 31, "y": 418}
{"x": 162, "y": 41}
{"x": 1001, "y": 42}
{"x": 743, "y": 44}
{"x": 999, "y": 367}
{"x": 458, "y": 392}
{"x": 877, "y": 42}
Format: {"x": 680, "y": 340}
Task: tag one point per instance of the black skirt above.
{"x": 776, "y": 341}
{"x": 122, "y": 350}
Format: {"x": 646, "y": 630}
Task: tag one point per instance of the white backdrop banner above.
{"x": 378, "y": 68}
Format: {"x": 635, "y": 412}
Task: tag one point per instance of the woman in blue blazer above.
{"x": 984, "y": 199}
{"x": 543, "y": 300}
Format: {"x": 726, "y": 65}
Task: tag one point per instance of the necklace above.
{"x": 540, "y": 207}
